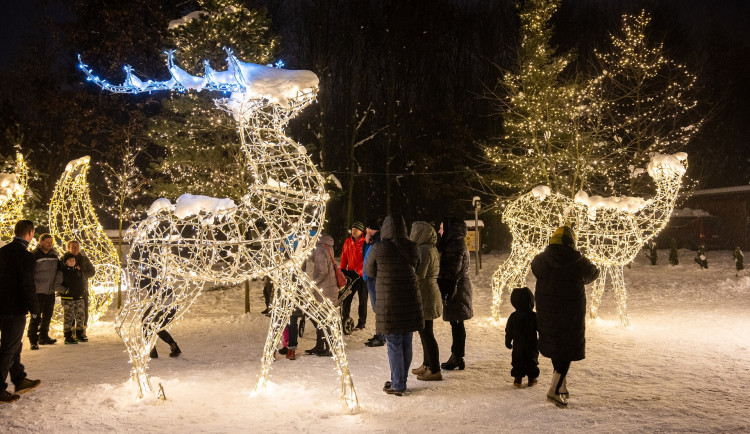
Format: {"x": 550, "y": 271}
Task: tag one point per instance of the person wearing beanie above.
{"x": 351, "y": 264}
{"x": 561, "y": 273}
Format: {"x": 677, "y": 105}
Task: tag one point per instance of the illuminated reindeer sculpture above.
{"x": 181, "y": 247}
{"x": 610, "y": 231}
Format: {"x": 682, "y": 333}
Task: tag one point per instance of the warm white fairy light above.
{"x": 610, "y": 231}
{"x": 181, "y": 247}
{"x": 12, "y": 198}
{"x": 72, "y": 217}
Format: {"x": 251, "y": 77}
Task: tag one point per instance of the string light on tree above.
{"x": 72, "y": 217}
{"x": 12, "y": 197}
{"x": 179, "y": 248}
{"x": 610, "y": 231}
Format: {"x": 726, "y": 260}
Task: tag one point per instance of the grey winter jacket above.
{"x": 47, "y": 276}
{"x": 320, "y": 269}
{"x": 454, "y": 269}
{"x": 393, "y": 263}
{"x": 425, "y": 236}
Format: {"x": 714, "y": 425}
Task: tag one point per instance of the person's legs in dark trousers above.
{"x": 431, "y": 355}
{"x": 11, "y": 334}
{"x": 267, "y": 293}
{"x": 293, "y": 332}
{"x": 346, "y": 305}
{"x": 46, "y": 308}
{"x": 560, "y": 366}
{"x": 362, "y": 297}
{"x": 458, "y": 330}
{"x": 34, "y": 323}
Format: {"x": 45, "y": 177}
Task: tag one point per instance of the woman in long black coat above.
{"x": 455, "y": 286}
{"x": 561, "y": 273}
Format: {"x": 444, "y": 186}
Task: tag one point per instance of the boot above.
{"x": 564, "y": 388}
{"x": 453, "y": 363}
{"x": 81, "y": 336}
{"x": 517, "y": 382}
{"x": 319, "y": 346}
{"x": 532, "y": 382}
{"x": 419, "y": 371}
{"x": 34, "y": 341}
{"x": 175, "y": 350}
{"x": 326, "y": 351}
{"x": 6, "y": 397}
{"x": 428, "y": 375}
{"x": 553, "y": 394}
{"x": 153, "y": 354}
{"x": 69, "y": 338}
{"x": 46, "y": 340}
{"x": 290, "y": 355}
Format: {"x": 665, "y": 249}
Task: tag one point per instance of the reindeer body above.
{"x": 181, "y": 247}
{"x": 610, "y": 231}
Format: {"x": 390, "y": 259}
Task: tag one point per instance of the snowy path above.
{"x": 685, "y": 366}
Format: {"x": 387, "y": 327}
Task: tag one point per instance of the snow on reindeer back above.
{"x": 188, "y": 205}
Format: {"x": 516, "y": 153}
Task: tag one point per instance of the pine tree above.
{"x": 652, "y": 255}
{"x": 545, "y": 141}
{"x": 641, "y": 103}
{"x": 700, "y": 256}
{"x": 200, "y": 142}
{"x": 673, "y": 258}
{"x": 739, "y": 259}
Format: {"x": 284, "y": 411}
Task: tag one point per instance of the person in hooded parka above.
{"x": 393, "y": 263}
{"x": 561, "y": 273}
{"x": 425, "y": 236}
{"x": 455, "y": 286}
{"x": 520, "y": 336}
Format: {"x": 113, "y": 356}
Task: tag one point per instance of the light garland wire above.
{"x": 609, "y": 236}
{"x": 72, "y": 217}
{"x": 12, "y": 198}
{"x": 181, "y": 247}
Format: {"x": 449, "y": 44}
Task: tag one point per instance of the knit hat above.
{"x": 358, "y": 225}
{"x": 372, "y": 224}
{"x": 564, "y": 236}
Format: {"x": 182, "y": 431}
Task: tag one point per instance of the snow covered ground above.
{"x": 684, "y": 366}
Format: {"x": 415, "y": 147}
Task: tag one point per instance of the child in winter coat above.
{"x": 520, "y": 335}
{"x": 71, "y": 294}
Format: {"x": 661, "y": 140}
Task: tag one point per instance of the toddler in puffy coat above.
{"x": 520, "y": 335}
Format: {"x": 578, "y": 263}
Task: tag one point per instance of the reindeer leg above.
{"x": 281, "y": 311}
{"x": 596, "y": 295}
{"x": 327, "y": 317}
{"x": 138, "y": 340}
{"x": 621, "y": 295}
{"x": 511, "y": 274}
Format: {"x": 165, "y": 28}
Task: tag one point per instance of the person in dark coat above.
{"x": 455, "y": 286}
{"x": 17, "y": 297}
{"x": 372, "y": 237}
{"x": 520, "y": 336}
{"x": 393, "y": 263}
{"x": 425, "y": 236}
{"x": 72, "y": 292}
{"x": 88, "y": 271}
{"x": 561, "y": 273}
{"x": 47, "y": 278}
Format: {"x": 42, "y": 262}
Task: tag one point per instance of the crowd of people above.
{"x": 411, "y": 279}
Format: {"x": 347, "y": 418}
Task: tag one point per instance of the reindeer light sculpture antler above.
{"x": 181, "y": 247}
{"x": 610, "y": 231}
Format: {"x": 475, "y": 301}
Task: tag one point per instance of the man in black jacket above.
{"x": 17, "y": 297}
{"x": 561, "y": 273}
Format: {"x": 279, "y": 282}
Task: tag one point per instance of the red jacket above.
{"x": 351, "y": 255}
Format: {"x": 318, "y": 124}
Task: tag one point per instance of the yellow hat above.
{"x": 564, "y": 236}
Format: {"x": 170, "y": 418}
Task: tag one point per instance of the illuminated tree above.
{"x": 543, "y": 141}
{"x": 642, "y": 103}
{"x": 197, "y": 141}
